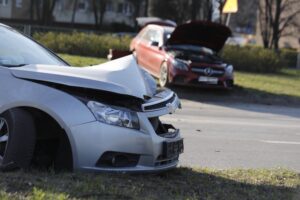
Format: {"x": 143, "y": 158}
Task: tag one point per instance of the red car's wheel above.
{"x": 163, "y": 76}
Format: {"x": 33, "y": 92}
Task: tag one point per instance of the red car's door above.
{"x": 148, "y": 51}
{"x": 155, "y": 53}
{"x": 141, "y": 49}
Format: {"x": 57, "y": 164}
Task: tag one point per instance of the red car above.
{"x": 186, "y": 54}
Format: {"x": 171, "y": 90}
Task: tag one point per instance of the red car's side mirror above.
{"x": 154, "y": 43}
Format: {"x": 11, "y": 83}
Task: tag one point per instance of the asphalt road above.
{"x": 233, "y": 135}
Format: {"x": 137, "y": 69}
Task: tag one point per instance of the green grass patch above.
{"x": 282, "y": 87}
{"x": 80, "y": 61}
{"x": 180, "y": 183}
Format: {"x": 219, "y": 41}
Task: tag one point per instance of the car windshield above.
{"x": 17, "y": 50}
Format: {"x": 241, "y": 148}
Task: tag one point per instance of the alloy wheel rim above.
{"x": 163, "y": 76}
{"x": 4, "y": 134}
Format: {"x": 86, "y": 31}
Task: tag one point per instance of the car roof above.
{"x": 161, "y": 27}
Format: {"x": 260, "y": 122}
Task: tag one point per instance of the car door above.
{"x": 147, "y": 50}
{"x": 155, "y": 53}
{"x": 141, "y": 47}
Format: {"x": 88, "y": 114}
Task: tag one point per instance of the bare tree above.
{"x": 208, "y": 5}
{"x": 195, "y": 8}
{"x": 74, "y": 11}
{"x": 137, "y": 7}
{"x": 177, "y": 10}
{"x": 146, "y": 7}
{"x": 48, "y": 7}
{"x": 42, "y": 11}
{"x": 31, "y": 10}
{"x": 99, "y": 7}
{"x": 275, "y": 16}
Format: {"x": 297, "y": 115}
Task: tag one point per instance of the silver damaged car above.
{"x": 96, "y": 118}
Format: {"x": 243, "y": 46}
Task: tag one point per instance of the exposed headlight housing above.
{"x": 114, "y": 116}
{"x": 229, "y": 70}
{"x": 180, "y": 64}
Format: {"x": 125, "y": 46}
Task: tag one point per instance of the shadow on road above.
{"x": 239, "y": 97}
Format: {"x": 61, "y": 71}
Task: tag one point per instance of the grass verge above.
{"x": 284, "y": 85}
{"x": 80, "y": 61}
{"x": 180, "y": 183}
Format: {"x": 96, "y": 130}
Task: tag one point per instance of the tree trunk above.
{"x": 137, "y": 5}
{"x": 209, "y": 10}
{"x": 31, "y": 10}
{"x": 95, "y": 10}
{"x": 146, "y": 8}
{"x": 195, "y": 9}
{"x": 44, "y": 12}
{"x": 52, "y": 6}
{"x": 74, "y": 11}
{"x": 102, "y": 12}
{"x": 37, "y": 9}
{"x": 275, "y": 37}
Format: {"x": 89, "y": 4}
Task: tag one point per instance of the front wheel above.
{"x": 163, "y": 76}
{"x": 17, "y": 139}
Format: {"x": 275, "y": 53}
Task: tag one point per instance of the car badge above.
{"x": 171, "y": 108}
{"x": 208, "y": 71}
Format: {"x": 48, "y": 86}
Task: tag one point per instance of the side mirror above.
{"x": 154, "y": 43}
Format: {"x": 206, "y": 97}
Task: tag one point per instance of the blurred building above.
{"x": 65, "y": 11}
{"x": 14, "y": 9}
{"x": 116, "y": 11}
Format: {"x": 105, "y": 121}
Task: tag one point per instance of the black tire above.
{"x": 164, "y": 75}
{"x": 19, "y": 147}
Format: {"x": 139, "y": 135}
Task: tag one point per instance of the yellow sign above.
{"x": 231, "y": 6}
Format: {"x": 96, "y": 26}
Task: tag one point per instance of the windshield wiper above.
{"x": 17, "y": 65}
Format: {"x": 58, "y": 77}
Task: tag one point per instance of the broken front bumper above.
{"x": 155, "y": 147}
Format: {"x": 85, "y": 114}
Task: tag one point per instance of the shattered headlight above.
{"x": 180, "y": 64}
{"x": 114, "y": 116}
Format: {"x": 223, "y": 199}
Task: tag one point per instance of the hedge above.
{"x": 82, "y": 43}
{"x": 253, "y": 59}
{"x": 290, "y": 57}
{"x": 249, "y": 58}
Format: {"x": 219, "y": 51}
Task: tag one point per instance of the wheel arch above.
{"x": 54, "y": 118}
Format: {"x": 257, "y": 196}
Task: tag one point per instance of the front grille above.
{"x": 163, "y": 130}
{"x": 208, "y": 71}
{"x": 160, "y": 105}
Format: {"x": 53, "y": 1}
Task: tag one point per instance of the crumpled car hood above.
{"x": 122, "y": 76}
{"x": 206, "y": 34}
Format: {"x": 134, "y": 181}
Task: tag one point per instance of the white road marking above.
{"x": 279, "y": 142}
{"x": 208, "y": 120}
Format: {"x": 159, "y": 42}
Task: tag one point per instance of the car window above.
{"x": 18, "y": 50}
{"x": 152, "y": 36}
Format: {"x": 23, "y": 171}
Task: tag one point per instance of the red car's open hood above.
{"x": 205, "y": 34}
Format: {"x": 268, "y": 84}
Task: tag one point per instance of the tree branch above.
{"x": 288, "y": 21}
